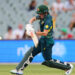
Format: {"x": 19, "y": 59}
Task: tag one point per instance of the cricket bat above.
{"x": 30, "y": 32}
{"x": 34, "y": 38}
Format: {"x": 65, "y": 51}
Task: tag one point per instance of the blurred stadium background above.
{"x": 15, "y": 14}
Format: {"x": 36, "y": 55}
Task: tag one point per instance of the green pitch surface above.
{"x": 33, "y": 69}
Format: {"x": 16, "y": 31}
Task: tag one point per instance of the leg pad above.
{"x": 56, "y": 64}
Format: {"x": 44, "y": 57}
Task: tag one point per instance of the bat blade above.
{"x": 35, "y": 39}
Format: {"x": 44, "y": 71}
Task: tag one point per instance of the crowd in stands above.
{"x": 57, "y": 8}
{"x": 17, "y": 34}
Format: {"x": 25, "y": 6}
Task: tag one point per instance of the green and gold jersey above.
{"x": 47, "y": 24}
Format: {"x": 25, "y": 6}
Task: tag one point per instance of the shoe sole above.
{"x": 71, "y": 70}
{"x": 16, "y": 73}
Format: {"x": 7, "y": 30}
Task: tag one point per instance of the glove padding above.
{"x": 29, "y": 29}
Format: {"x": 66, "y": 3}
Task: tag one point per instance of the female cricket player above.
{"x": 45, "y": 45}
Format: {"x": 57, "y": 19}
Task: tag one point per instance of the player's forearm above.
{"x": 41, "y": 33}
{"x": 32, "y": 20}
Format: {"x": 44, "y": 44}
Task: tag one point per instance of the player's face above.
{"x": 41, "y": 16}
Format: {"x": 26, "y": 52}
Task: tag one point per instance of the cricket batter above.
{"x": 45, "y": 45}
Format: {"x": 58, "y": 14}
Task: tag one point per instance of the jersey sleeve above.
{"x": 48, "y": 25}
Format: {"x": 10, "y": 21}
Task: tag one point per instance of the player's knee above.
{"x": 31, "y": 52}
{"x": 36, "y": 51}
{"x": 46, "y": 63}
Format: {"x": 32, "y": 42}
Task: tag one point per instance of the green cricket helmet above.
{"x": 42, "y": 9}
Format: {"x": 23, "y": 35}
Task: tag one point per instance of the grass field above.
{"x": 33, "y": 69}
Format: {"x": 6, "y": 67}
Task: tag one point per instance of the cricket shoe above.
{"x": 68, "y": 72}
{"x": 20, "y": 72}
